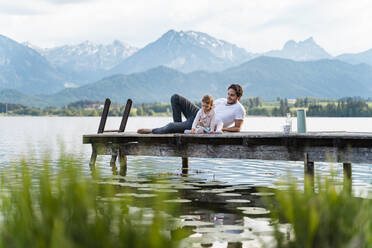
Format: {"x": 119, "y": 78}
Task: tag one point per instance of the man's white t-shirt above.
{"x": 228, "y": 113}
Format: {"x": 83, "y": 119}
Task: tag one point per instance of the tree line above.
{"x": 86, "y": 108}
{"x": 345, "y": 107}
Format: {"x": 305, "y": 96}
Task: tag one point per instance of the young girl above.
{"x": 204, "y": 121}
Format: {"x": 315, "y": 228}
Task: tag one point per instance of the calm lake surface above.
{"x": 214, "y": 188}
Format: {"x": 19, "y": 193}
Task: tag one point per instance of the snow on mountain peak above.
{"x": 219, "y": 48}
{"x": 88, "y": 55}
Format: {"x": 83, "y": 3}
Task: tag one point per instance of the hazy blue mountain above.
{"x": 186, "y": 52}
{"x": 14, "y": 96}
{"x": 24, "y": 69}
{"x": 270, "y": 77}
{"x": 300, "y": 51}
{"x": 266, "y": 77}
{"x": 357, "y": 58}
{"x": 154, "y": 85}
{"x": 87, "y": 61}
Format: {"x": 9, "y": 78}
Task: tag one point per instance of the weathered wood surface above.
{"x": 105, "y": 112}
{"x": 320, "y": 146}
{"x": 125, "y": 117}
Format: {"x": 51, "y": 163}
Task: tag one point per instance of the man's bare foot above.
{"x": 144, "y": 131}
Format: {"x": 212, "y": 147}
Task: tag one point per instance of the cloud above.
{"x": 15, "y": 9}
{"x": 61, "y": 2}
{"x": 257, "y": 25}
{"x": 35, "y": 7}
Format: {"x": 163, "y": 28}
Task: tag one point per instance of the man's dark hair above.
{"x": 238, "y": 89}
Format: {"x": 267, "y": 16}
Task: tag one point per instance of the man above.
{"x": 228, "y": 110}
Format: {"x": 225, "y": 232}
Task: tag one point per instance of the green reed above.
{"x": 328, "y": 217}
{"x": 60, "y": 206}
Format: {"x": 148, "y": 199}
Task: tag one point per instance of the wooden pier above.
{"x": 342, "y": 147}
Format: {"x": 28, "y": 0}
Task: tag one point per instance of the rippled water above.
{"x": 21, "y": 136}
{"x": 211, "y": 187}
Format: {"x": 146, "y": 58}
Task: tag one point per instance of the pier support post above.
{"x": 185, "y": 165}
{"x": 113, "y": 164}
{"x": 93, "y": 157}
{"x": 113, "y": 160}
{"x": 347, "y": 176}
{"x": 123, "y": 164}
{"x": 308, "y": 173}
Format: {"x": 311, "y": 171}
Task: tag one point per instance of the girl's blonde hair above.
{"x": 208, "y": 99}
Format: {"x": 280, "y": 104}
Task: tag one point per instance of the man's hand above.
{"x": 235, "y": 128}
{"x": 192, "y": 130}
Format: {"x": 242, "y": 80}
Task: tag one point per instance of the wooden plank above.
{"x": 110, "y": 131}
{"x": 125, "y": 115}
{"x": 357, "y": 135}
{"x": 248, "y": 138}
{"x": 244, "y": 152}
{"x": 105, "y": 149}
{"x": 319, "y": 154}
{"x": 322, "y": 147}
{"x": 105, "y": 111}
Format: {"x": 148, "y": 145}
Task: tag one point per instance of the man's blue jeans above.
{"x": 180, "y": 105}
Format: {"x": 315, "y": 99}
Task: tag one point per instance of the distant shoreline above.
{"x": 345, "y": 107}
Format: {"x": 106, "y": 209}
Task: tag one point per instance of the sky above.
{"x": 339, "y": 26}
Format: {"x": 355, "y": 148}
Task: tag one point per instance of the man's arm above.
{"x": 235, "y": 128}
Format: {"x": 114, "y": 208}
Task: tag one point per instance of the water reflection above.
{"x": 217, "y": 205}
{"x": 40, "y": 135}
{"x": 220, "y": 202}
{"x": 213, "y": 213}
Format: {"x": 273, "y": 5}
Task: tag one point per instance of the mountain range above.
{"x": 266, "y": 77}
{"x": 24, "y": 69}
{"x": 186, "y": 52}
{"x": 357, "y": 58}
{"x": 301, "y": 51}
{"x": 177, "y": 61}
{"x": 86, "y": 62}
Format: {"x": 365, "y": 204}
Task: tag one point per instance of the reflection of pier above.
{"x": 341, "y": 147}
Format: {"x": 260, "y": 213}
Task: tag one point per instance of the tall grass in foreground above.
{"x": 66, "y": 208}
{"x": 331, "y": 217}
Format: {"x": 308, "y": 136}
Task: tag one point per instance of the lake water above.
{"x": 213, "y": 183}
